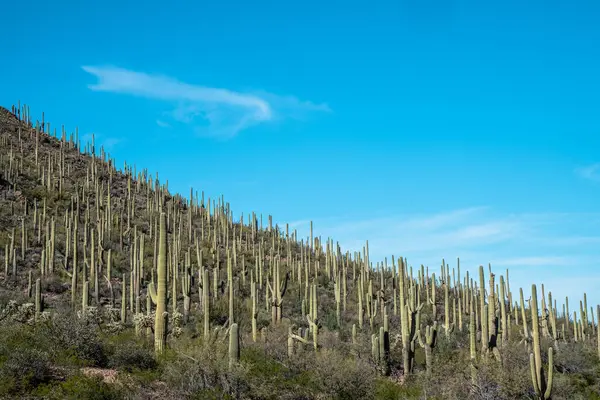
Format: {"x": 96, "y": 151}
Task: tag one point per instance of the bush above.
{"x": 77, "y": 338}
{"x": 344, "y": 378}
{"x": 386, "y": 389}
{"x": 130, "y": 356}
{"x": 268, "y": 378}
{"x": 203, "y": 368}
{"x": 54, "y": 284}
{"x": 577, "y": 372}
{"x": 23, "y": 370}
{"x": 81, "y": 387}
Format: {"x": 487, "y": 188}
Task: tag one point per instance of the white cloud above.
{"x": 162, "y": 124}
{"x": 590, "y": 172}
{"x": 453, "y": 230}
{"x": 550, "y": 248}
{"x": 226, "y": 112}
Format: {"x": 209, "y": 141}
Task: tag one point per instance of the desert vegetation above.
{"x": 112, "y": 287}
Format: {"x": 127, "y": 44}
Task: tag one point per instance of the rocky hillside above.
{"x": 112, "y": 287}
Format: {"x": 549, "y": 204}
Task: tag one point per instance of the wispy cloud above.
{"x": 222, "y": 112}
{"x": 162, "y": 124}
{"x": 536, "y": 247}
{"x": 590, "y": 172}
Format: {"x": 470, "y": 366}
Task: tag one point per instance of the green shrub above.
{"x": 197, "y": 368}
{"x": 53, "y": 284}
{"x": 23, "y": 370}
{"x": 130, "y": 356}
{"x": 77, "y": 338}
{"x": 386, "y": 389}
{"x": 81, "y": 387}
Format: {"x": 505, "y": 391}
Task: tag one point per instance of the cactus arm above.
{"x": 285, "y": 284}
{"x": 152, "y": 292}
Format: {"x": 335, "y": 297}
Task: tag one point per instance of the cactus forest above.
{"x": 114, "y": 287}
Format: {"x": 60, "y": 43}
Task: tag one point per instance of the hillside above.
{"x": 112, "y": 287}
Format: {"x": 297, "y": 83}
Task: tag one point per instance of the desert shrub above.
{"x": 267, "y": 378}
{"x": 388, "y": 389}
{"x": 276, "y": 342}
{"x": 450, "y": 378}
{"x": 514, "y": 374}
{"x": 263, "y": 320}
{"x": 36, "y": 193}
{"x": 576, "y": 358}
{"x": 219, "y": 311}
{"x": 129, "y": 356}
{"x": 81, "y": 387}
{"x": 577, "y": 372}
{"x": 210, "y": 394}
{"x": 322, "y": 280}
{"x": 53, "y": 284}
{"x": 326, "y": 374}
{"x": 330, "y": 319}
{"x": 77, "y": 338}
{"x": 24, "y": 369}
{"x": 340, "y": 377}
{"x": 197, "y": 368}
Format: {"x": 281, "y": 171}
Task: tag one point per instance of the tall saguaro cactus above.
{"x": 277, "y": 290}
{"x": 206, "y": 303}
{"x": 159, "y": 295}
{"x": 542, "y": 388}
{"x": 38, "y": 298}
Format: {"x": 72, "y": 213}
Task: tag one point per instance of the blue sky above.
{"x": 432, "y": 129}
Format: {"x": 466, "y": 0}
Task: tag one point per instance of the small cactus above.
{"x": 428, "y": 344}
{"x": 234, "y": 345}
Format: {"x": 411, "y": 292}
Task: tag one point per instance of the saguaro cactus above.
{"x": 473, "y": 340}
{"x": 375, "y": 349}
{"x": 410, "y": 321}
{"x": 384, "y": 346}
{"x": 159, "y": 295}
{"x": 409, "y": 318}
{"x": 234, "y": 345}
{"x": 428, "y": 344}
{"x": 542, "y": 388}
{"x": 277, "y": 290}
{"x": 186, "y": 291}
{"x": 38, "y": 298}
{"x": 205, "y": 285}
